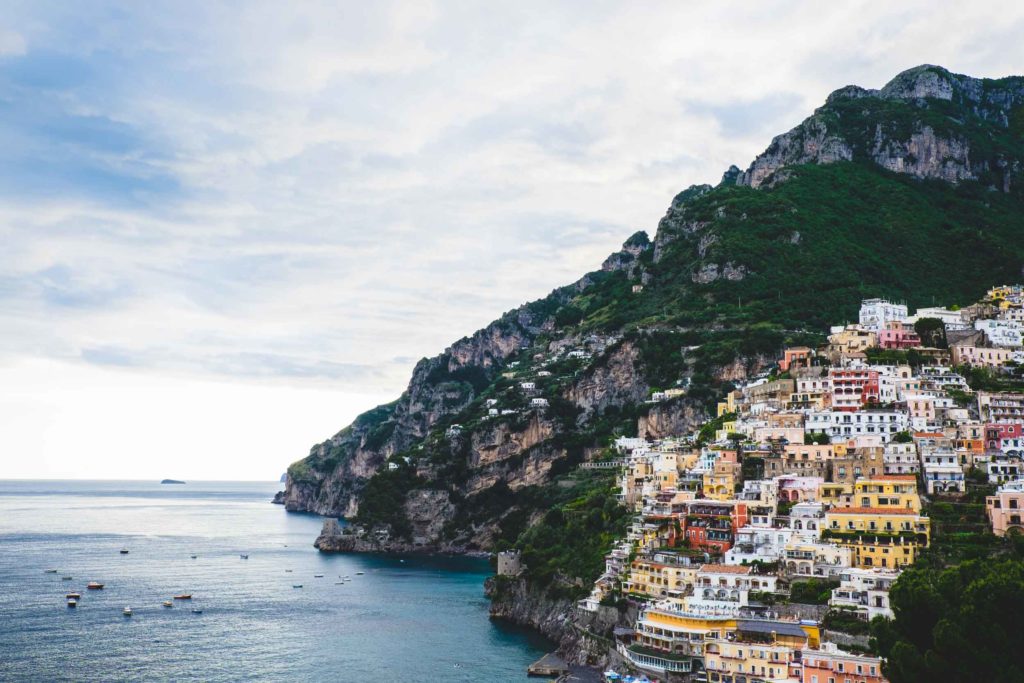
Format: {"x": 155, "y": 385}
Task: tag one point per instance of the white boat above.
{"x": 197, "y": 611}
{"x": 72, "y": 602}
{"x": 168, "y": 603}
{"x": 127, "y": 611}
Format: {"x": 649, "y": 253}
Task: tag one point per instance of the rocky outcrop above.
{"x": 905, "y": 140}
{"x": 583, "y": 638}
{"x": 669, "y": 418}
{"x": 710, "y": 272}
{"x": 616, "y": 380}
{"x": 809, "y": 143}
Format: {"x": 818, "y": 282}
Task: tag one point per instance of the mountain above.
{"x": 912, "y": 191}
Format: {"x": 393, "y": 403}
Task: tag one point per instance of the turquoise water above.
{"x": 404, "y": 619}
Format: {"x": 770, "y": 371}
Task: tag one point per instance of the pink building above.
{"x": 832, "y": 665}
{"x": 896, "y": 335}
{"x": 995, "y": 433}
{"x": 799, "y": 489}
{"x": 1005, "y": 508}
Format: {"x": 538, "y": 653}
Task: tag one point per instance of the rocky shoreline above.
{"x": 582, "y": 638}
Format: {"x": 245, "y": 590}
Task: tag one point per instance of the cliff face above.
{"x": 583, "y": 638}
{"x": 926, "y": 122}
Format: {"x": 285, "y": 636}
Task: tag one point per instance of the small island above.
{"x": 171, "y": 481}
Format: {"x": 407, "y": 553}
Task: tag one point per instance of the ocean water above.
{"x": 403, "y": 619}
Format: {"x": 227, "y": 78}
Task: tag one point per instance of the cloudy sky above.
{"x": 229, "y": 228}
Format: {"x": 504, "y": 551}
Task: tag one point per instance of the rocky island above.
{"x": 171, "y": 481}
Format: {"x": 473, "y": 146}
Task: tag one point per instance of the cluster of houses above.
{"x": 816, "y": 471}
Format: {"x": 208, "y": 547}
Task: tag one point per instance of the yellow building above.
{"x": 658, "y": 579}
{"x": 879, "y": 537}
{"x": 762, "y": 650}
{"x": 720, "y": 482}
{"x": 889, "y": 491}
{"x": 831, "y": 494}
{"x": 729, "y": 404}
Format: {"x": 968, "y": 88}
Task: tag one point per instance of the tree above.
{"x": 955, "y": 625}
{"x": 932, "y": 332}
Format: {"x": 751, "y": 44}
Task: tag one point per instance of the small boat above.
{"x": 244, "y": 557}
{"x": 183, "y": 596}
{"x": 194, "y": 556}
{"x": 72, "y": 602}
{"x": 318, "y": 576}
{"x": 168, "y": 603}
{"x": 197, "y": 611}
{"x": 287, "y": 571}
{"x": 339, "y": 583}
{"x": 296, "y": 585}
{"x": 66, "y": 578}
{"x": 73, "y": 596}
{"x": 127, "y": 611}
{"x": 124, "y": 551}
{"x": 360, "y": 573}
{"x": 94, "y": 586}
{"x": 50, "y": 571}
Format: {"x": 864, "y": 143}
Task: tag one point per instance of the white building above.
{"x": 875, "y": 313}
{"x": 843, "y": 425}
{"x": 942, "y": 472}
{"x": 951, "y": 320}
{"x": 866, "y": 591}
{"x": 1001, "y": 332}
{"x": 901, "y": 458}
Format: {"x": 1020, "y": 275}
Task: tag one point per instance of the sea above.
{"x": 270, "y": 617}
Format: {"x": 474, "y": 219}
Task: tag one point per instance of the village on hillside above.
{"x": 765, "y": 542}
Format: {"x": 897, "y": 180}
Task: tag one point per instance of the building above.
{"x": 829, "y": 664}
{"x": 865, "y": 592}
{"x": 897, "y": 335}
{"x": 884, "y": 491}
{"x": 1000, "y": 407}
{"x": 1004, "y": 509}
{"x": 853, "y": 388}
{"x": 711, "y": 525}
{"x": 879, "y": 537}
{"x": 1001, "y": 332}
{"x": 759, "y": 650}
{"x": 980, "y": 356}
{"x": 876, "y": 313}
{"x": 796, "y": 357}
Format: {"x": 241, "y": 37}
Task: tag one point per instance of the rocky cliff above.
{"x": 926, "y": 122}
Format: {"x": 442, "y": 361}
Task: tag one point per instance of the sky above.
{"x": 228, "y": 228}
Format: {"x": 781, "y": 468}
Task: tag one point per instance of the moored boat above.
{"x": 183, "y": 596}
{"x": 73, "y": 596}
{"x": 296, "y": 585}
{"x": 72, "y": 602}
{"x": 244, "y": 557}
{"x": 50, "y": 571}
{"x": 124, "y": 551}
{"x": 66, "y": 578}
{"x": 127, "y": 611}
{"x": 168, "y": 603}
{"x": 94, "y": 586}
{"x": 197, "y": 611}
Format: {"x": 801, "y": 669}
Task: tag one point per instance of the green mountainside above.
{"x": 912, "y": 192}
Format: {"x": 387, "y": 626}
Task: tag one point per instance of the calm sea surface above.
{"x": 403, "y": 619}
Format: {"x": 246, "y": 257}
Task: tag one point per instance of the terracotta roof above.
{"x": 724, "y": 569}
{"x": 872, "y": 511}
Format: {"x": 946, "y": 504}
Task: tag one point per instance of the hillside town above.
{"x": 764, "y": 542}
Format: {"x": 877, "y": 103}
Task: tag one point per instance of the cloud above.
{"x": 318, "y": 196}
